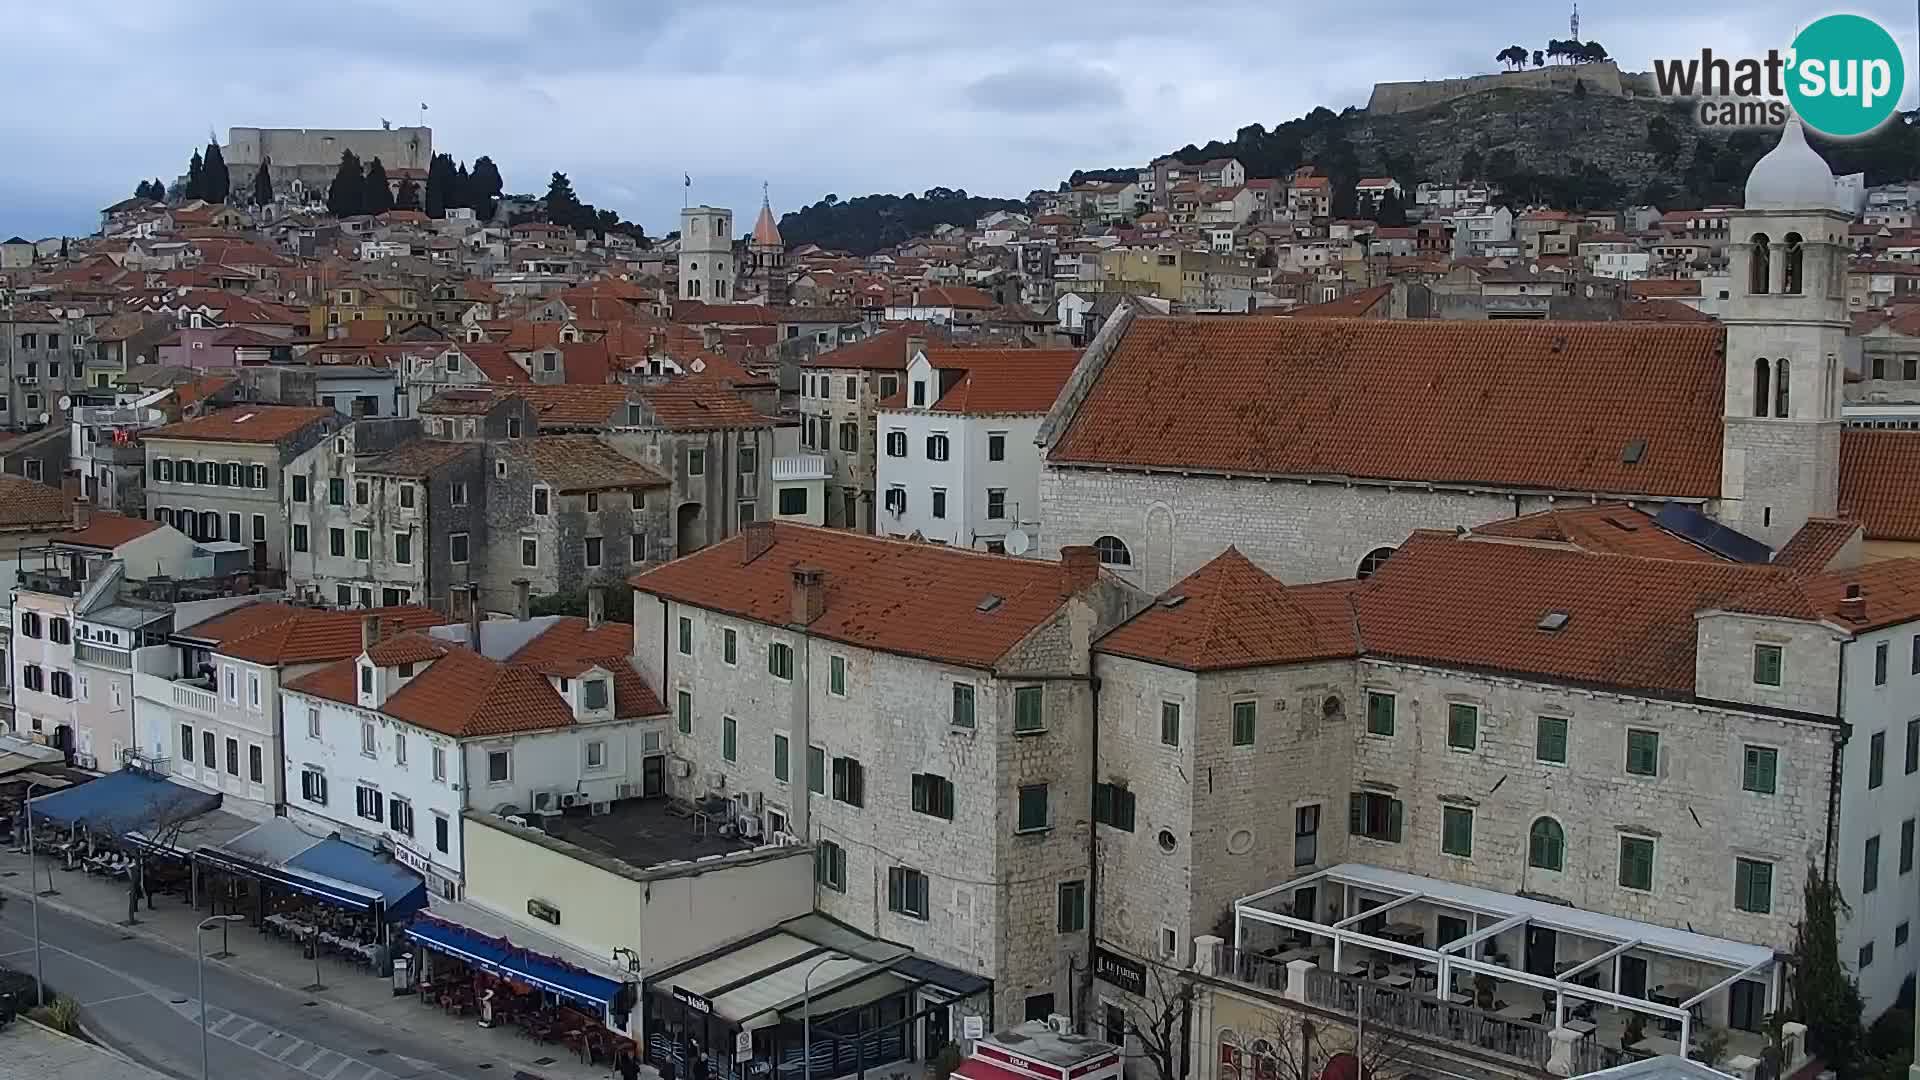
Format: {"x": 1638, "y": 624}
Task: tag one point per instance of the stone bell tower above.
{"x": 1786, "y": 328}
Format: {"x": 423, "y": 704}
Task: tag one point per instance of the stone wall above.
{"x": 1398, "y": 97}
{"x": 406, "y": 147}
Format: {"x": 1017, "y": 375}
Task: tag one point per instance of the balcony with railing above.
{"x": 193, "y": 696}
{"x": 102, "y": 656}
{"x": 794, "y": 468}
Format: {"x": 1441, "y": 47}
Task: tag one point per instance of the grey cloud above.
{"x": 1045, "y": 88}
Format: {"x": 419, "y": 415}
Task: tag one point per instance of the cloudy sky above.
{"x": 849, "y": 97}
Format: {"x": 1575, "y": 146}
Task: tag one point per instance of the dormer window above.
{"x": 366, "y": 682}
{"x": 593, "y": 694}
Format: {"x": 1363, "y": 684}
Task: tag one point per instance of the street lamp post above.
{"x": 33, "y": 886}
{"x": 200, "y": 960}
{"x": 806, "y": 1014}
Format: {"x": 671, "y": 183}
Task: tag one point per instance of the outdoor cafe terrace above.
{"x": 1553, "y": 986}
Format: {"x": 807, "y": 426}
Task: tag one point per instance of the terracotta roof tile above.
{"x": 1610, "y": 528}
{"x": 1231, "y": 614}
{"x": 1364, "y": 303}
{"x": 953, "y": 296}
{"x": 1816, "y": 545}
{"x": 314, "y": 636}
{"x": 109, "y": 531}
{"x": 567, "y": 405}
{"x": 419, "y": 457}
{"x": 696, "y": 311}
{"x": 572, "y": 463}
{"x": 28, "y": 503}
{"x": 884, "y": 351}
{"x": 246, "y": 424}
{"x": 892, "y": 595}
{"x": 410, "y": 648}
{"x": 700, "y": 403}
{"x": 568, "y": 644}
{"x": 1538, "y": 405}
{"x": 1880, "y": 482}
{"x": 240, "y": 622}
{"x": 1002, "y": 381}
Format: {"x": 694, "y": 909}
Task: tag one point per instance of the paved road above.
{"x": 140, "y": 997}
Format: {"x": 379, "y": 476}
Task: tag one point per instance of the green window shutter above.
{"x": 1394, "y": 812}
{"x": 1244, "y": 713}
{"x": 1463, "y": 726}
{"x": 1356, "y": 815}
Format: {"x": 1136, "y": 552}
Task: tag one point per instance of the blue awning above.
{"x": 124, "y": 801}
{"x": 501, "y": 957}
{"x": 400, "y": 890}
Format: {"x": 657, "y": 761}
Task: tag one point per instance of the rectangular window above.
{"x": 939, "y": 503}
{"x": 596, "y": 753}
{"x": 1033, "y": 808}
{"x": 362, "y": 544}
{"x": 793, "y": 501}
{"x": 299, "y": 537}
{"x": 457, "y": 494}
{"x": 1029, "y": 709}
{"x": 499, "y": 766}
{"x": 366, "y": 726}
{"x": 1643, "y": 752}
{"x": 1866, "y": 956}
{"x": 837, "y": 676}
{"x": 1113, "y": 805}
{"x": 440, "y": 833}
{"x": 457, "y": 549}
{"x": 696, "y": 462}
{"x": 996, "y": 504}
{"x": 780, "y": 660}
{"x": 336, "y": 491}
{"x": 1913, "y": 747}
{"x": 1071, "y": 917}
{"x": 337, "y": 543}
{"x": 933, "y": 795}
{"x": 963, "y": 705}
{"x": 593, "y": 694}
{"x": 637, "y": 548}
{"x": 1244, "y": 713}
{"x": 1456, "y": 831}
{"x": 1876, "y": 759}
{"x": 403, "y": 549}
{"x": 1463, "y": 726}
{"x": 1880, "y": 664}
{"x": 1170, "y": 723}
{"x": 996, "y": 446}
{"x": 683, "y": 711}
{"x": 299, "y": 485}
{"x": 1753, "y": 886}
{"x": 186, "y": 743}
{"x": 1306, "y": 835}
{"x": 1550, "y": 739}
{"x": 686, "y": 636}
{"x": 781, "y": 770}
{"x": 1636, "y": 863}
{"x": 256, "y": 765}
{"x": 830, "y": 865}
{"x": 1870, "y": 866}
{"x": 849, "y": 781}
{"x": 907, "y": 892}
{"x": 1766, "y": 665}
{"x": 817, "y": 769}
{"x": 369, "y": 803}
{"x": 1761, "y": 771}
{"x": 209, "y": 758}
{"x": 529, "y": 551}
{"x": 259, "y": 526}
{"x": 1380, "y": 709}
{"x": 1906, "y": 846}
{"x": 360, "y": 493}
{"x": 729, "y": 739}
{"x": 439, "y": 757}
{"x": 313, "y": 786}
{"x": 1375, "y": 816}
{"x": 729, "y": 646}
{"x": 313, "y": 724}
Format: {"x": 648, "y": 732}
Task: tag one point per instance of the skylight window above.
{"x": 1553, "y": 620}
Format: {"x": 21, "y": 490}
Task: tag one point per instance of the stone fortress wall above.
{"x": 1604, "y": 78}
{"x": 311, "y": 155}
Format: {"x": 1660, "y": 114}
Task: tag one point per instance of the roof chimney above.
{"x": 756, "y": 540}
{"x": 70, "y": 484}
{"x": 369, "y": 631}
{"x": 472, "y": 594}
{"x": 389, "y": 628}
{"x": 915, "y": 345}
{"x": 82, "y": 513}
{"x": 1083, "y": 566}
{"x": 522, "y": 599}
{"x": 809, "y": 594}
{"x": 596, "y": 606}
{"x": 1853, "y": 605}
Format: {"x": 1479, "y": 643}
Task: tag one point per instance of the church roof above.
{"x": 1792, "y": 176}
{"x": 765, "y": 232}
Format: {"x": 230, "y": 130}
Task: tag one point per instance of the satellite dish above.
{"x": 65, "y": 403}
{"x": 45, "y": 417}
{"x": 1018, "y": 542}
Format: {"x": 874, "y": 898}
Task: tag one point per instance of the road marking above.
{"x": 111, "y": 1000}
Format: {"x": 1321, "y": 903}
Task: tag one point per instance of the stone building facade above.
{"x": 841, "y": 393}
{"x": 221, "y": 476}
{"x": 565, "y": 513}
{"x": 831, "y": 721}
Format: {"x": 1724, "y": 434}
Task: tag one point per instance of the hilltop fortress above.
{"x": 1604, "y": 78}
{"x": 305, "y": 159}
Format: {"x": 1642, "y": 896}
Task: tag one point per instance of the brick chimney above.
{"x": 596, "y": 606}
{"x": 522, "y": 599}
{"x": 1083, "y": 566}
{"x": 389, "y": 628}
{"x": 369, "y": 632}
{"x": 1853, "y": 606}
{"x": 915, "y": 343}
{"x": 82, "y": 512}
{"x": 809, "y": 594}
{"x": 472, "y": 593}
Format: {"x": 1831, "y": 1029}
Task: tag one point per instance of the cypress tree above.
{"x": 196, "y": 178}
{"x": 379, "y": 197}
{"x": 215, "y": 177}
{"x": 348, "y": 190}
{"x": 262, "y": 183}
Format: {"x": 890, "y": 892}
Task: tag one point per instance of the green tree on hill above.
{"x": 378, "y": 197}
{"x": 196, "y": 177}
{"x": 215, "y": 179}
{"x": 348, "y": 192}
{"x": 263, "y": 183}
{"x": 440, "y": 178}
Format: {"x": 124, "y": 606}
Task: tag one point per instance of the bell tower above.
{"x": 1786, "y": 329}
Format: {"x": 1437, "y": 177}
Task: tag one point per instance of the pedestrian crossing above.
{"x": 283, "y": 1047}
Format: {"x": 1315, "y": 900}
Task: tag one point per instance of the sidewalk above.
{"x": 258, "y": 956}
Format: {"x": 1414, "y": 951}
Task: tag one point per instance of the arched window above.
{"x": 1761, "y": 370}
{"x": 1760, "y": 266}
{"x": 1372, "y": 562}
{"x": 1780, "y": 383}
{"x": 1113, "y": 551}
{"x": 1546, "y": 845}
{"x": 1791, "y": 278}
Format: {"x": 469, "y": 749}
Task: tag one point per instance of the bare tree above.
{"x": 163, "y": 824}
{"x": 1296, "y": 1045}
{"x": 1157, "y": 1021}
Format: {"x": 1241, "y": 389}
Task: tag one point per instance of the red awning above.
{"x": 974, "y": 1068}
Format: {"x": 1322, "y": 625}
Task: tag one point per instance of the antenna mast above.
{"x": 1575, "y": 24}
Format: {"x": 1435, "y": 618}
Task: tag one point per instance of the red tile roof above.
{"x": 1002, "y": 381}
{"x": 246, "y": 424}
{"x": 1608, "y": 528}
{"x": 1669, "y": 311}
{"x": 568, "y": 648}
{"x": 895, "y": 596}
{"x": 109, "y": 531}
{"x": 1880, "y": 482}
{"x": 574, "y": 463}
{"x": 884, "y": 351}
{"x": 1539, "y": 405}
{"x": 28, "y": 503}
{"x": 1231, "y": 614}
{"x": 695, "y": 311}
{"x": 1816, "y": 545}
{"x": 953, "y": 296}
{"x": 700, "y": 403}
{"x": 1362, "y": 304}
{"x": 303, "y": 635}
{"x": 567, "y": 405}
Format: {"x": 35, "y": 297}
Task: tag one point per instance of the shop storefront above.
{"x": 132, "y": 825}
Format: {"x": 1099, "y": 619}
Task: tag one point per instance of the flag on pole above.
{"x": 423, "y": 106}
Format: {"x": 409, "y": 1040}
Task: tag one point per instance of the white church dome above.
{"x": 1792, "y": 176}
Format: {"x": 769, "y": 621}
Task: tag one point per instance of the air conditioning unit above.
{"x": 570, "y": 799}
{"x": 749, "y": 826}
{"x": 626, "y": 791}
{"x": 543, "y": 801}
{"x": 746, "y": 802}
{"x": 85, "y": 761}
{"x": 1060, "y": 1023}
{"x": 787, "y": 839}
{"x": 682, "y": 767}
{"x": 600, "y": 808}
{"x": 716, "y": 781}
